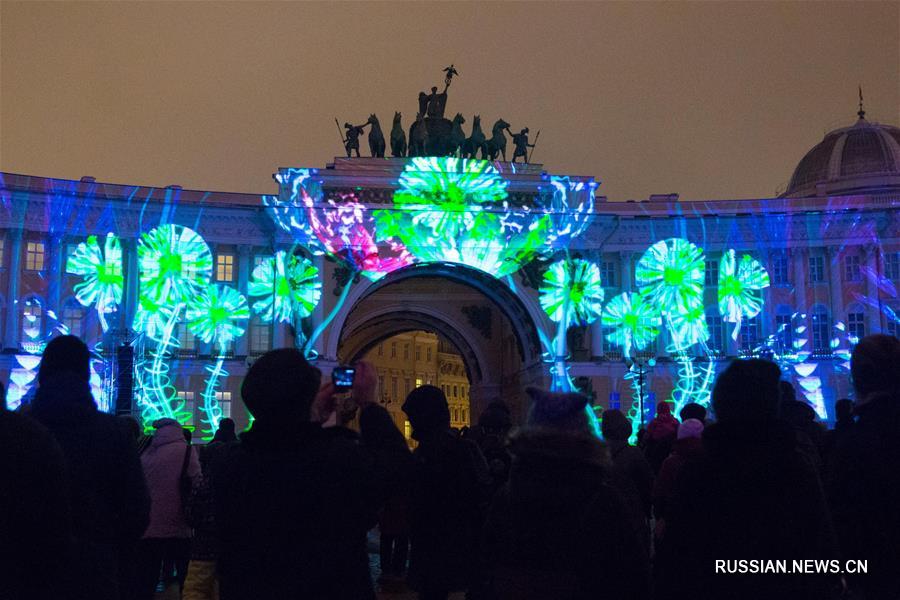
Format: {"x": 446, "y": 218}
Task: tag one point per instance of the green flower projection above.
{"x": 457, "y": 210}
{"x": 572, "y": 292}
{"x": 740, "y": 288}
{"x": 634, "y": 323}
{"x": 175, "y": 264}
{"x": 218, "y": 316}
{"x": 287, "y": 286}
{"x": 101, "y": 272}
{"x": 670, "y": 275}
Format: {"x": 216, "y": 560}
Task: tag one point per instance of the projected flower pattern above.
{"x": 101, "y": 273}
{"x": 740, "y": 285}
{"x": 287, "y": 286}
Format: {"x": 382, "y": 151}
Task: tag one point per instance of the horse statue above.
{"x": 376, "y": 137}
{"x": 475, "y": 142}
{"x": 457, "y": 138}
{"x": 398, "y": 138}
{"x": 497, "y": 143}
{"x": 418, "y": 137}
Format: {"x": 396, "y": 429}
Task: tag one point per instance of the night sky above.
{"x": 710, "y": 100}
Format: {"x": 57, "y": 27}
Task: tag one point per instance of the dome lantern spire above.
{"x": 861, "y": 112}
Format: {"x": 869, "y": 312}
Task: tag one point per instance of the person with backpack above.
{"x": 171, "y": 467}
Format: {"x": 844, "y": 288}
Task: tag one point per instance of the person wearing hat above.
{"x": 687, "y": 447}
{"x": 107, "y": 492}
{"x": 449, "y": 495}
{"x": 559, "y": 528}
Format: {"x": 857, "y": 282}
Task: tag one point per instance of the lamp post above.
{"x": 640, "y": 365}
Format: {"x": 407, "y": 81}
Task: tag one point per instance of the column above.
{"x": 799, "y": 258}
{"x": 54, "y": 271}
{"x": 318, "y": 314}
{"x": 835, "y": 284}
{"x": 130, "y": 296}
{"x": 241, "y": 344}
{"x": 767, "y": 318}
{"x": 625, "y": 259}
{"x": 870, "y": 272}
{"x": 11, "y": 334}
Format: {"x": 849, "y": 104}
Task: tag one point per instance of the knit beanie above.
{"x": 558, "y": 410}
{"x": 691, "y": 428}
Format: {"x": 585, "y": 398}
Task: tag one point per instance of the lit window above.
{"x": 608, "y": 273}
{"x": 716, "y": 332}
{"x": 187, "y": 343}
{"x": 188, "y": 399}
{"x": 750, "y": 333}
{"x": 73, "y": 319}
{"x": 821, "y": 329}
{"x": 891, "y": 264}
{"x": 856, "y": 325}
{"x": 34, "y": 256}
{"x": 225, "y": 267}
{"x": 224, "y": 400}
{"x": 780, "y": 269}
{"x": 784, "y": 332}
{"x": 816, "y": 269}
{"x": 260, "y": 337}
{"x": 851, "y": 268}
{"x": 31, "y": 320}
{"x": 418, "y": 382}
{"x": 711, "y": 272}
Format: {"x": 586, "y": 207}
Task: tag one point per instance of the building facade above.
{"x": 830, "y": 246}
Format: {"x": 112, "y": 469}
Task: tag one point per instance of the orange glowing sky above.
{"x": 711, "y": 100}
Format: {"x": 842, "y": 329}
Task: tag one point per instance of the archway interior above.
{"x": 407, "y": 360}
{"x": 462, "y": 320}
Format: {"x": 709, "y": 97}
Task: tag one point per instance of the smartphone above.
{"x": 342, "y": 378}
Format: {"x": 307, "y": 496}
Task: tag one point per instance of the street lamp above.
{"x": 640, "y": 365}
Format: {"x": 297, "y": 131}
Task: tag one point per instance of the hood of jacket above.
{"x": 168, "y": 431}
{"x": 62, "y": 398}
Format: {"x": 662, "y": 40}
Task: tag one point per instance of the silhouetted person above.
{"x": 628, "y": 460}
{"x": 558, "y": 529}
{"x": 201, "y": 582}
{"x": 687, "y": 448}
{"x": 752, "y": 496}
{"x": 396, "y": 464}
{"x": 449, "y": 499}
{"x": 35, "y": 515}
{"x": 843, "y": 425}
{"x": 225, "y": 433}
{"x": 802, "y": 418}
{"x": 108, "y": 495}
{"x": 865, "y": 489}
{"x": 661, "y": 434}
{"x": 166, "y": 543}
{"x": 293, "y": 501}
{"x": 692, "y": 410}
{"x": 490, "y": 434}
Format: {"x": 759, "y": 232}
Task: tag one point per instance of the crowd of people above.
{"x": 92, "y": 508}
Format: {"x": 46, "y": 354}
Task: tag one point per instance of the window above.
{"x": 418, "y": 352}
{"x": 711, "y": 273}
{"x": 31, "y": 319}
{"x": 716, "y": 332}
{"x": 891, "y": 264}
{"x": 260, "y": 259}
{"x": 394, "y": 393}
{"x": 851, "y": 268}
{"x": 608, "y": 273}
{"x": 816, "y": 269}
{"x": 393, "y": 349}
{"x": 418, "y": 382}
{"x": 406, "y": 351}
{"x": 34, "y": 256}
{"x": 784, "y": 332}
{"x": 2, "y": 248}
{"x": 455, "y": 392}
{"x": 464, "y": 417}
{"x": 893, "y": 327}
{"x": 225, "y": 267}
{"x": 260, "y": 337}
{"x": 187, "y": 343}
{"x": 856, "y": 325}
{"x": 821, "y": 328}
{"x": 428, "y": 354}
{"x": 407, "y": 386}
{"x": 73, "y": 319}
{"x": 381, "y": 391}
{"x": 780, "y": 269}
{"x": 224, "y": 400}
{"x": 188, "y": 399}
{"x": 750, "y": 333}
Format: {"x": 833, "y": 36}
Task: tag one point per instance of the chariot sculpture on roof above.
{"x": 432, "y": 134}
